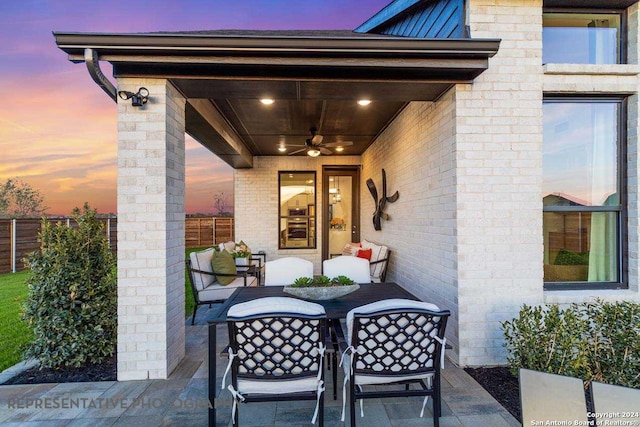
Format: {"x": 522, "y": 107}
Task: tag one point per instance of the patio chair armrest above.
{"x": 193, "y": 270}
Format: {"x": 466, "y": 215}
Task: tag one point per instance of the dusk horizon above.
{"x": 58, "y": 129}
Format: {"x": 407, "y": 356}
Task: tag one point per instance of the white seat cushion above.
{"x": 274, "y": 305}
{"x": 283, "y": 271}
{"x": 202, "y": 261}
{"x": 218, "y": 292}
{"x": 356, "y": 269}
{"x": 378, "y": 252}
{"x": 277, "y": 386}
{"x": 378, "y": 379}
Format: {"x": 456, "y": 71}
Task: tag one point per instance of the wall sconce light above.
{"x": 138, "y": 99}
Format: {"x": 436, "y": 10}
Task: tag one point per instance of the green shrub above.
{"x": 72, "y": 302}
{"x": 595, "y": 341}
{"x": 567, "y": 257}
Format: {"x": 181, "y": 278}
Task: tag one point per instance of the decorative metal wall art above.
{"x": 382, "y": 203}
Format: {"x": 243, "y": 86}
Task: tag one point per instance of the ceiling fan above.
{"x": 314, "y": 145}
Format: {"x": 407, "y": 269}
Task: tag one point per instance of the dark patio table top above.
{"x": 335, "y": 309}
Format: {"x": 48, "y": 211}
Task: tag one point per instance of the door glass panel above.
{"x": 297, "y": 210}
{"x": 340, "y": 219}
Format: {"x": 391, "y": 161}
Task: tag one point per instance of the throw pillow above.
{"x": 351, "y": 249}
{"x": 223, "y": 263}
{"x": 364, "y": 253}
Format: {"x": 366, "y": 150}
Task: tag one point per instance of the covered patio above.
{"x": 208, "y": 84}
{"x": 181, "y": 400}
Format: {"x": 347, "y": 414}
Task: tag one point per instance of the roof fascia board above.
{"x": 203, "y": 45}
{"x": 386, "y": 14}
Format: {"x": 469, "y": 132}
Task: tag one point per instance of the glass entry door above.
{"x": 341, "y": 219}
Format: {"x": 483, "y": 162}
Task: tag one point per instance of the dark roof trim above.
{"x": 131, "y": 45}
{"x": 385, "y": 15}
{"x": 596, "y": 4}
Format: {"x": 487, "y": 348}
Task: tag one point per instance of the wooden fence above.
{"x": 19, "y": 237}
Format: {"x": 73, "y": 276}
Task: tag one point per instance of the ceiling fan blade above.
{"x": 325, "y": 151}
{"x": 338, "y": 144}
{"x": 297, "y": 151}
{"x": 317, "y": 139}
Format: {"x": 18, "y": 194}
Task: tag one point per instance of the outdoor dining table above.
{"x": 336, "y": 309}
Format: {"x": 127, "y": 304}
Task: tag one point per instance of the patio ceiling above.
{"x": 314, "y": 77}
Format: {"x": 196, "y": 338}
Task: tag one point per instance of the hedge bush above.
{"x": 597, "y": 341}
{"x": 72, "y": 302}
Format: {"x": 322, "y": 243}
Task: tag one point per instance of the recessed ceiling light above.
{"x": 339, "y": 149}
{"x": 364, "y": 102}
{"x": 267, "y": 101}
{"x": 282, "y": 148}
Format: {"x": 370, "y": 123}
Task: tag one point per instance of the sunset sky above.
{"x": 58, "y": 128}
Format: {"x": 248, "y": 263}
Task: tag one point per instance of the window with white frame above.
{"x": 583, "y": 192}
{"x": 582, "y": 37}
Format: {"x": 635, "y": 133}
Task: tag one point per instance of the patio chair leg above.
{"x": 334, "y": 374}
{"x": 193, "y": 318}
{"x": 352, "y": 405}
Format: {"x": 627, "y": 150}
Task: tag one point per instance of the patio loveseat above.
{"x": 378, "y": 256}
{"x": 207, "y": 284}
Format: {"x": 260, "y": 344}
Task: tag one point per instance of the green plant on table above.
{"x": 321, "y": 281}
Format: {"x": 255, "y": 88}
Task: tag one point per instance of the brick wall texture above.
{"x": 150, "y": 232}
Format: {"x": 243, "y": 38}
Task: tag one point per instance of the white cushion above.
{"x": 378, "y": 252}
{"x": 202, "y": 261}
{"x": 274, "y": 305}
{"x": 351, "y": 249}
{"x": 277, "y": 386}
{"x": 388, "y": 304}
{"x": 218, "y": 292}
{"x": 378, "y": 379}
{"x": 283, "y": 271}
{"x": 356, "y": 269}
{"x": 229, "y": 246}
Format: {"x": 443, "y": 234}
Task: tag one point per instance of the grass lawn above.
{"x": 14, "y": 333}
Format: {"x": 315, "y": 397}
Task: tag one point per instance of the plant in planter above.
{"x": 321, "y": 287}
{"x": 241, "y": 253}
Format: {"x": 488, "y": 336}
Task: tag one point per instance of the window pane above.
{"x": 580, "y": 246}
{"x": 580, "y": 158}
{"x": 576, "y": 38}
{"x": 297, "y": 210}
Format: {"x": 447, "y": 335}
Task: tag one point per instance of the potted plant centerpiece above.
{"x": 321, "y": 287}
{"x": 242, "y": 254}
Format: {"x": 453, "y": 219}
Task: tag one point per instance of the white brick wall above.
{"x": 256, "y": 203}
{"x": 417, "y": 152}
{"x": 150, "y": 232}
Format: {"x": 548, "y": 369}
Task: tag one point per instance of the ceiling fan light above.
{"x": 267, "y": 101}
{"x": 282, "y": 148}
{"x": 364, "y": 102}
{"x": 313, "y": 152}
{"x": 339, "y": 149}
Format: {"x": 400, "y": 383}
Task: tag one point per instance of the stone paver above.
{"x": 180, "y": 400}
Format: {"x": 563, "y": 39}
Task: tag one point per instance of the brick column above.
{"x": 499, "y": 178}
{"x": 151, "y": 168}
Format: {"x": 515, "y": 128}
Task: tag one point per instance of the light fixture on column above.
{"x": 138, "y": 99}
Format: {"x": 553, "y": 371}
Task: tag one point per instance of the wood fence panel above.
{"x": 5, "y": 246}
{"x": 224, "y": 230}
{"x": 26, "y": 240}
{"x": 199, "y": 232}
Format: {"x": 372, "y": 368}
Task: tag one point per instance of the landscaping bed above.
{"x": 500, "y": 384}
{"x": 105, "y": 371}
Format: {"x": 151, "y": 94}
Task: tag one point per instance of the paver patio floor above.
{"x": 181, "y": 400}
